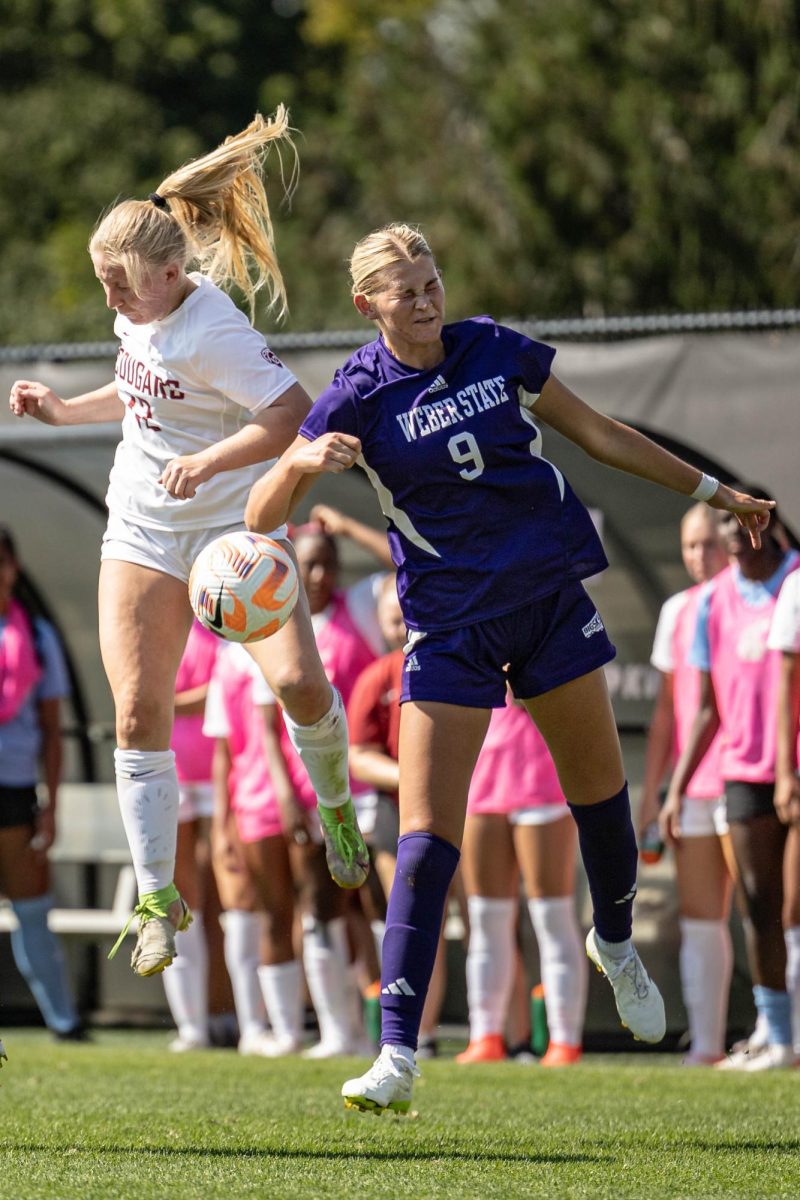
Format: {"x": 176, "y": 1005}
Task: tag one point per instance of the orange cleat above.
{"x": 560, "y": 1055}
{"x": 490, "y": 1048}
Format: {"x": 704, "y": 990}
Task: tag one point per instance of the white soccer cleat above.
{"x": 386, "y": 1085}
{"x": 185, "y": 1045}
{"x": 741, "y": 1054}
{"x": 771, "y": 1058}
{"x": 266, "y": 1045}
{"x": 3, "y": 1055}
{"x": 638, "y": 1000}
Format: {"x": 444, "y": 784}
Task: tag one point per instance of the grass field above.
{"x": 124, "y": 1120}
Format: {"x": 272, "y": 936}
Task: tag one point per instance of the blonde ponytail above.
{"x": 212, "y": 211}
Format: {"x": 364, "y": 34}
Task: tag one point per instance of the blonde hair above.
{"x": 381, "y": 249}
{"x": 213, "y": 211}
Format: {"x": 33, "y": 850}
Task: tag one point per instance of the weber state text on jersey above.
{"x": 479, "y": 522}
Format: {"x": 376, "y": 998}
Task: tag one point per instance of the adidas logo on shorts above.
{"x": 595, "y": 626}
{"x": 439, "y": 385}
{"x": 412, "y": 664}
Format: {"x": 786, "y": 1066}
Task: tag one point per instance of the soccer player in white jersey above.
{"x": 491, "y": 545}
{"x": 204, "y": 403}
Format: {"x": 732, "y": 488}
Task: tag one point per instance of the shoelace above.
{"x": 391, "y": 1066}
{"x": 144, "y": 910}
{"x": 639, "y": 978}
{"x": 345, "y": 837}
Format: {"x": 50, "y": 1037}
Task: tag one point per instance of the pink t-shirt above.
{"x": 745, "y": 672}
{"x": 233, "y": 712}
{"x": 673, "y": 641}
{"x": 193, "y": 750}
{"x": 514, "y": 768}
{"x": 345, "y": 653}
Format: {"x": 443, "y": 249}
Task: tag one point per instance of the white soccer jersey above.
{"x": 187, "y": 382}
{"x": 784, "y": 632}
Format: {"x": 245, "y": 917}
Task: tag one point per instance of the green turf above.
{"x": 122, "y": 1119}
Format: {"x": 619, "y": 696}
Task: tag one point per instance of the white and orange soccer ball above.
{"x": 243, "y": 586}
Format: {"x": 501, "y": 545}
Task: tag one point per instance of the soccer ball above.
{"x": 243, "y": 586}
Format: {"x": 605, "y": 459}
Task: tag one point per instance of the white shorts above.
{"x": 538, "y": 814}
{"x": 703, "y": 818}
{"x": 195, "y": 800}
{"x": 164, "y": 550}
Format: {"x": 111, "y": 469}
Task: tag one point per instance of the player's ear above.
{"x": 365, "y": 306}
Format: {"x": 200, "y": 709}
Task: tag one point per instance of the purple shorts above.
{"x": 534, "y": 648}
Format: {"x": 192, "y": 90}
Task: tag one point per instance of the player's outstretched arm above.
{"x": 339, "y": 524}
{"x": 31, "y": 399}
{"x": 273, "y": 498}
{"x": 617, "y": 445}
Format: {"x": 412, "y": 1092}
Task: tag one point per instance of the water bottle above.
{"x": 540, "y": 1035}
{"x": 651, "y": 847}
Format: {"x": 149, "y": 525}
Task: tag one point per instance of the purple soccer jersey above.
{"x": 479, "y": 522}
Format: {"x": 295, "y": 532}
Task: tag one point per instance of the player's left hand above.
{"x": 752, "y": 515}
{"x": 182, "y": 476}
{"x": 45, "y": 831}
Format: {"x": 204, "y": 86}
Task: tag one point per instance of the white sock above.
{"x": 323, "y": 748}
{"x": 282, "y": 989}
{"x": 564, "y": 966}
{"x": 186, "y": 984}
{"x": 327, "y": 965}
{"x": 706, "y": 966}
{"x": 147, "y": 787}
{"x": 792, "y": 936}
{"x": 242, "y": 958}
{"x": 490, "y": 963}
{"x": 378, "y": 934}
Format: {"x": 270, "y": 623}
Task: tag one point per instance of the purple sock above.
{"x": 425, "y": 866}
{"x": 608, "y": 849}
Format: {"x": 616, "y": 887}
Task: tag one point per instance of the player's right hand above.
{"x": 31, "y": 399}
{"x": 332, "y": 452}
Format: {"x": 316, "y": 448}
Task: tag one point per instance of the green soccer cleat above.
{"x": 345, "y": 850}
{"x": 161, "y": 915}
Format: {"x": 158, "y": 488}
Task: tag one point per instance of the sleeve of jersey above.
{"x": 700, "y": 649}
{"x": 784, "y": 632}
{"x": 531, "y": 361}
{"x": 215, "y": 717}
{"x": 236, "y": 360}
{"x": 662, "y": 657}
{"x": 333, "y": 412}
{"x": 54, "y": 683}
{"x": 363, "y": 718}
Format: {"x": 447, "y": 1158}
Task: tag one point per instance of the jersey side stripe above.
{"x": 389, "y": 509}
{"x": 536, "y": 447}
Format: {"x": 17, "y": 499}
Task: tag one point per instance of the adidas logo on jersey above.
{"x": 400, "y": 987}
{"x": 594, "y": 626}
{"x": 439, "y": 385}
{"x": 412, "y": 664}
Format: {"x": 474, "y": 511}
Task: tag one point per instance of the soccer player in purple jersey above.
{"x": 490, "y": 545}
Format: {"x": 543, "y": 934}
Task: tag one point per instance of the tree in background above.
{"x": 575, "y": 158}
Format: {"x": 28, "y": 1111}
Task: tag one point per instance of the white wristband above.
{"x": 706, "y": 488}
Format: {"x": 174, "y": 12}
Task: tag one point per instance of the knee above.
{"x": 141, "y": 720}
{"x": 305, "y": 700}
